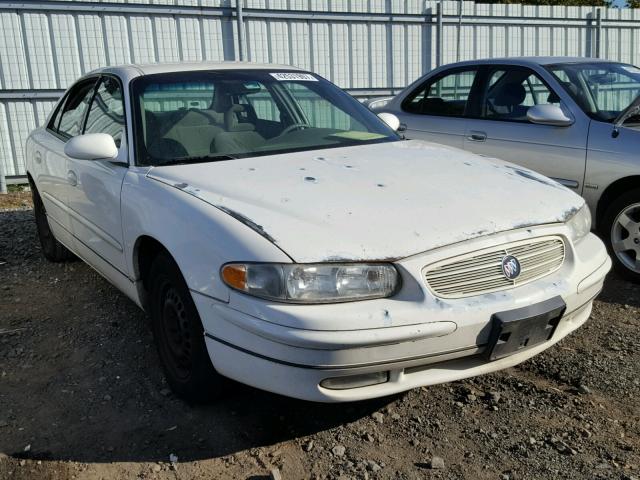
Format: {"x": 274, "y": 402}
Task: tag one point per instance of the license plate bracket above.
{"x": 516, "y": 330}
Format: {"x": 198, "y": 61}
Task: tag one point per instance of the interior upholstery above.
{"x": 510, "y": 95}
{"x": 238, "y": 137}
{"x": 196, "y": 130}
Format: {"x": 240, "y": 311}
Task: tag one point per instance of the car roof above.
{"x": 529, "y": 61}
{"x": 136, "y": 69}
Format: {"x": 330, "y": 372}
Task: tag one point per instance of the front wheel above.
{"x": 620, "y": 228}
{"x": 179, "y": 335}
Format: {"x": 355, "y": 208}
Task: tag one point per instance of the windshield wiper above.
{"x": 200, "y": 159}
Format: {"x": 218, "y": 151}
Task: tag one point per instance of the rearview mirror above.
{"x": 92, "y": 146}
{"x": 391, "y": 120}
{"x": 548, "y": 115}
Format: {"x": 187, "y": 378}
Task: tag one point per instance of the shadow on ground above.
{"x": 80, "y": 378}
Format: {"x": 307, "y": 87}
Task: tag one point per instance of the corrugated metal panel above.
{"x": 361, "y": 44}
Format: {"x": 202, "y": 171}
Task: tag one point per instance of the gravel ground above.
{"x": 82, "y": 396}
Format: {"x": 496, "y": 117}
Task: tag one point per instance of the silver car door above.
{"x": 436, "y": 110}
{"x": 503, "y": 131}
{"x": 94, "y": 199}
{"x": 50, "y": 162}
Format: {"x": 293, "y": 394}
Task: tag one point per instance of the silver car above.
{"x": 576, "y": 120}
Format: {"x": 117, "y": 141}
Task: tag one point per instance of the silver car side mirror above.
{"x": 548, "y": 115}
{"x": 92, "y": 146}
{"x": 390, "y": 119}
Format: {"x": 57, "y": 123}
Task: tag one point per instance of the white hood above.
{"x": 374, "y": 202}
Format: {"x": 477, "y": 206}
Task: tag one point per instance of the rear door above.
{"x": 50, "y": 162}
{"x": 94, "y": 197}
{"x": 436, "y": 111}
{"x": 502, "y": 130}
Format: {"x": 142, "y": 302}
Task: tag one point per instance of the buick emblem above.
{"x": 510, "y": 267}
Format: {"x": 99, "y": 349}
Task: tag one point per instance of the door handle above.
{"x": 72, "y": 178}
{"x": 38, "y": 157}
{"x": 477, "y": 136}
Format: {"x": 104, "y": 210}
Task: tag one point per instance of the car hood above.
{"x": 373, "y": 202}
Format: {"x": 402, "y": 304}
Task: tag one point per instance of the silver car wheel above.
{"x": 625, "y": 237}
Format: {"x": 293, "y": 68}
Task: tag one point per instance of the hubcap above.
{"x": 176, "y": 332}
{"x": 625, "y": 237}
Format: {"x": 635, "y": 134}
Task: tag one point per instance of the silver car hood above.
{"x": 373, "y": 202}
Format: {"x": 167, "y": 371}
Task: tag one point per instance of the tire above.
{"x": 620, "y": 228}
{"x": 52, "y": 249}
{"x": 179, "y": 335}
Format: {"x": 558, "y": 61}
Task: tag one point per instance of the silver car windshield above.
{"x": 602, "y": 89}
{"x": 206, "y": 116}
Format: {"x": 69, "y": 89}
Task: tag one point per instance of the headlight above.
{"x": 312, "y": 283}
{"x": 580, "y": 224}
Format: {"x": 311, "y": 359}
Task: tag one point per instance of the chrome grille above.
{"x": 481, "y": 271}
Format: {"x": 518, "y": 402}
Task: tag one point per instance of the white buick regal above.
{"x": 280, "y": 234}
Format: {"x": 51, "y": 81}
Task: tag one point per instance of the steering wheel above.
{"x": 295, "y": 126}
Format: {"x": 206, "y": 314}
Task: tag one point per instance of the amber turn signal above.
{"x": 235, "y": 275}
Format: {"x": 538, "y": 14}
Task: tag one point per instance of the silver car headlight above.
{"x": 580, "y": 223}
{"x": 312, "y": 283}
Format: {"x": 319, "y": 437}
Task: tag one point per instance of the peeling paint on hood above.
{"x": 374, "y": 202}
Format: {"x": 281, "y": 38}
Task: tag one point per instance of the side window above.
{"x": 510, "y": 93}
{"x": 74, "y": 110}
{"x": 55, "y": 118}
{"x": 107, "y": 110}
{"x": 445, "y": 96}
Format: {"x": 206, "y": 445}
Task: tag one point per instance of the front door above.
{"x": 94, "y": 197}
{"x": 503, "y": 131}
{"x": 436, "y": 111}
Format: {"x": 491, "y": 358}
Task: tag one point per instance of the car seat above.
{"x": 238, "y": 137}
{"x": 509, "y": 100}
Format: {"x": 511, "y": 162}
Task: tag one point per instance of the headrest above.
{"x": 510, "y": 95}
{"x": 221, "y": 100}
{"x": 231, "y": 120}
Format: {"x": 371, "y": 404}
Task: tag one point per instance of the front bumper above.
{"x": 415, "y": 338}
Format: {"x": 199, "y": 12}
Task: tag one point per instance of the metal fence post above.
{"x": 3, "y": 180}
{"x": 240, "y": 26}
{"x": 459, "y": 32}
{"x": 598, "y": 31}
{"x": 439, "y": 34}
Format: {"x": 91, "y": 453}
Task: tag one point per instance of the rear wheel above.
{"x": 621, "y": 228}
{"x": 179, "y": 335}
{"x": 52, "y": 249}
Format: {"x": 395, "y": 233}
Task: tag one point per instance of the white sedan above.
{"x": 280, "y": 234}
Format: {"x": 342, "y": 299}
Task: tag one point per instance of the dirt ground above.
{"x": 82, "y": 396}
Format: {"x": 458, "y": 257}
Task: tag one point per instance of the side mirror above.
{"x": 92, "y": 146}
{"x": 391, "y": 120}
{"x": 548, "y": 115}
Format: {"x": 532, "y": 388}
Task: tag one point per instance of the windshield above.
{"x": 602, "y": 90}
{"x": 221, "y": 115}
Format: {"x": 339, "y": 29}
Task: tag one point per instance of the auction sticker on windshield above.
{"x": 284, "y": 76}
